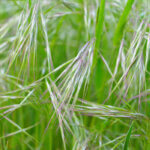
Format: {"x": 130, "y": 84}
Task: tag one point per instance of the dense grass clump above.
{"x": 74, "y": 74}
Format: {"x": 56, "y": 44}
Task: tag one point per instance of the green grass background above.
{"x": 74, "y": 74}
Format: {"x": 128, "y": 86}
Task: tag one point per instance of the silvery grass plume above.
{"x": 66, "y": 109}
{"x": 69, "y": 83}
{"x": 133, "y": 61}
{"x": 94, "y": 139}
{"x": 103, "y": 111}
{"x": 24, "y": 35}
{"x": 5, "y": 40}
{"x": 24, "y": 47}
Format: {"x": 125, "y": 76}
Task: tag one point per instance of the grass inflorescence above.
{"x": 74, "y": 74}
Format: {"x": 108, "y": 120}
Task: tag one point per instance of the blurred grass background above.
{"x": 74, "y": 74}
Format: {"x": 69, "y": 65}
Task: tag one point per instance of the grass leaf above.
{"x": 122, "y": 21}
{"x": 126, "y": 145}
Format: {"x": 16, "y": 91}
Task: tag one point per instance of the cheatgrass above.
{"x": 74, "y": 74}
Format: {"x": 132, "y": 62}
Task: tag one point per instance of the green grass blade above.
{"x": 99, "y": 29}
{"x": 122, "y": 21}
{"x": 98, "y": 33}
{"x": 128, "y": 137}
{"x": 99, "y": 23}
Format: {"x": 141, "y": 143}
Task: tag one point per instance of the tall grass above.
{"x": 74, "y": 74}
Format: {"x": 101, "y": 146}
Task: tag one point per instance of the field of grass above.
{"x": 74, "y": 74}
